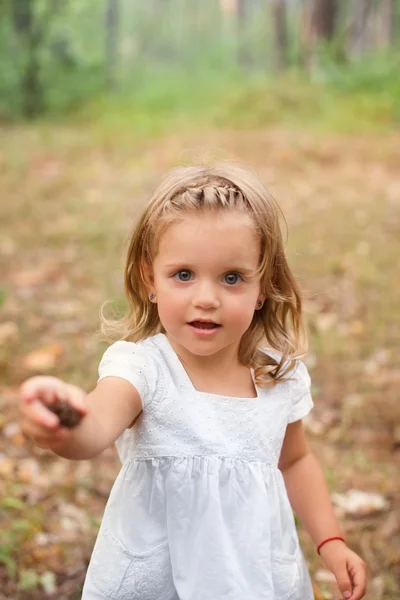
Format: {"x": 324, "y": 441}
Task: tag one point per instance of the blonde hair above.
{"x": 278, "y": 324}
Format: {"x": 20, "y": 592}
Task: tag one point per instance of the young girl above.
{"x": 204, "y": 396}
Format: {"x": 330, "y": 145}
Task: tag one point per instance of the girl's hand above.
{"x": 348, "y": 568}
{"x": 37, "y": 421}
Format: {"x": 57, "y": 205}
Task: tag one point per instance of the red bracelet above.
{"x": 329, "y": 540}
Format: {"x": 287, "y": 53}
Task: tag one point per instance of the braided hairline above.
{"x": 221, "y": 182}
{"x": 224, "y": 190}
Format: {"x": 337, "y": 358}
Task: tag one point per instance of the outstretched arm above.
{"x": 309, "y": 497}
{"x": 107, "y": 411}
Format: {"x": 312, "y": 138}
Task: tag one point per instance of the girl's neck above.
{"x": 220, "y": 362}
{"x": 220, "y": 373}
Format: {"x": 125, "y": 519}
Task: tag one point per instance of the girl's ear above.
{"x": 148, "y": 278}
{"x": 260, "y": 302}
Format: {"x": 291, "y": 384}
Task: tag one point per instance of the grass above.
{"x": 291, "y": 102}
{"x": 349, "y": 98}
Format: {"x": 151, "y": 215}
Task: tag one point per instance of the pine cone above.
{"x": 68, "y": 415}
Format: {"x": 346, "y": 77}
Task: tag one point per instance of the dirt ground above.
{"x": 68, "y": 197}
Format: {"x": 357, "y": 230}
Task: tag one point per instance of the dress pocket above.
{"x": 119, "y": 574}
{"x": 285, "y": 574}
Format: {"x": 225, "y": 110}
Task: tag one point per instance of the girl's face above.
{"x": 204, "y": 281}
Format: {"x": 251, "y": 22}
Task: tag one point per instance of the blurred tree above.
{"x": 359, "y": 30}
{"x": 31, "y": 22}
{"x": 243, "y": 8}
{"x": 22, "y": 14}
{"x": 305, "y": 34}
{"x": 111, "y": 50}
{"x": 319, "y": 19}
{"x": 280, "y": 34}
{"x": 29, "y": 34}
{"x": 389, "y": 10}
{"x": 324, "y": 14}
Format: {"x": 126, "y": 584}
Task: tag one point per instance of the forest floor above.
{"x": 68, "y": 197}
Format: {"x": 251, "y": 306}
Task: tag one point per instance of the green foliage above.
{"x": 23, "y": 522}
{"x": 31, "y": 580}
{"x": 56, "y": 55}
{"x": 182, "y": 61}
{"x": 347, "y": 100}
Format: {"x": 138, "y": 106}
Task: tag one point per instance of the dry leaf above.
{"x": 8, "y": 332}
{"x": 44, "y": 358}
{"x": 360, "y": 504}
{"x": 326, "y": 321}
{"x": 313, "y": 426}
{"x": 18, "y": 439}
{"x": 48, "y": 271}
{"x": 11, "y": 429}
{"x": 7, "y": 468}
{"x": 324, "y": 576}
{"x": 28, "y": 470}
{"x": 356, "y": 327}
{"x": 49, "y": 168}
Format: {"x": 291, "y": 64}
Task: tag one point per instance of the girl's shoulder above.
{"x": 137, "y": 362}
{"x": 299, "y": 370}
{"x": 297, "y": 386}
{"x": 132, "y": 352}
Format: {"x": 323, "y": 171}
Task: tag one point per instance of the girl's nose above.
{"x": 205, "y": 296}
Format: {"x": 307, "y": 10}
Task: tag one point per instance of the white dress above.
{"x": 199, "y": 510}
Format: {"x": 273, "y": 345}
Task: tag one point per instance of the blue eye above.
{"x": 232, "y": 278}
{"x": 183, "y": 275}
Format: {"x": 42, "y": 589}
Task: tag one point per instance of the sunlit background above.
{"x": 98, "y": 99}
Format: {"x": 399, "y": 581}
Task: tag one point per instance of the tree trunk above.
{"x": 280, "y": 36}
{"x": 32, "y": 91}
{"x": 111, "y": 50}
{"x": 242, "y": 14}
{"x": 360, "y": 30}
{"x": 319, "y": 19}
{"x": 22, "y": 15}
{"x": 305, "y": 35}
{"x": 29, "y": 37}
{"x": 388, "y": 10}
{"x": 324, "y": 13}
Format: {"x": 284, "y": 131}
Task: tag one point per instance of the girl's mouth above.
{"x": 204, "y": 324}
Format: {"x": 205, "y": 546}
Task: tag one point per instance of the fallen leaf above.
{"x": 8, "y": 332}
{"x": 11, "y": 429}
{"x": 43, "y": 359}
{"x": 29, "y": 579}
{"x": 48, "y": 168}
{"x": 313, "y": 426}
{"x": 49, "y": 582}
{"x": 28, "y": 470}
{"x": 376, "y": 361}
{"x": 48, "y": 271}
{"x": 356, "y": 327}
{"x": 324, "y": 576}
{"x": 18, "y": 439}
{"x": 378, "y": 587}
{"x": 7, "y": 468}
{"x": 326, "y": 321}
{"x": 73, "y": 519}
{"x": 359, "y": 503}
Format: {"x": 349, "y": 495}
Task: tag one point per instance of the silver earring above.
{"x": 260, "y": 303}
{"x": 152, "y": 297}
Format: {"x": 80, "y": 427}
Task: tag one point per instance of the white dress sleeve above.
{"x": 302, "y": 402}
{"x": 134, "y": 363}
